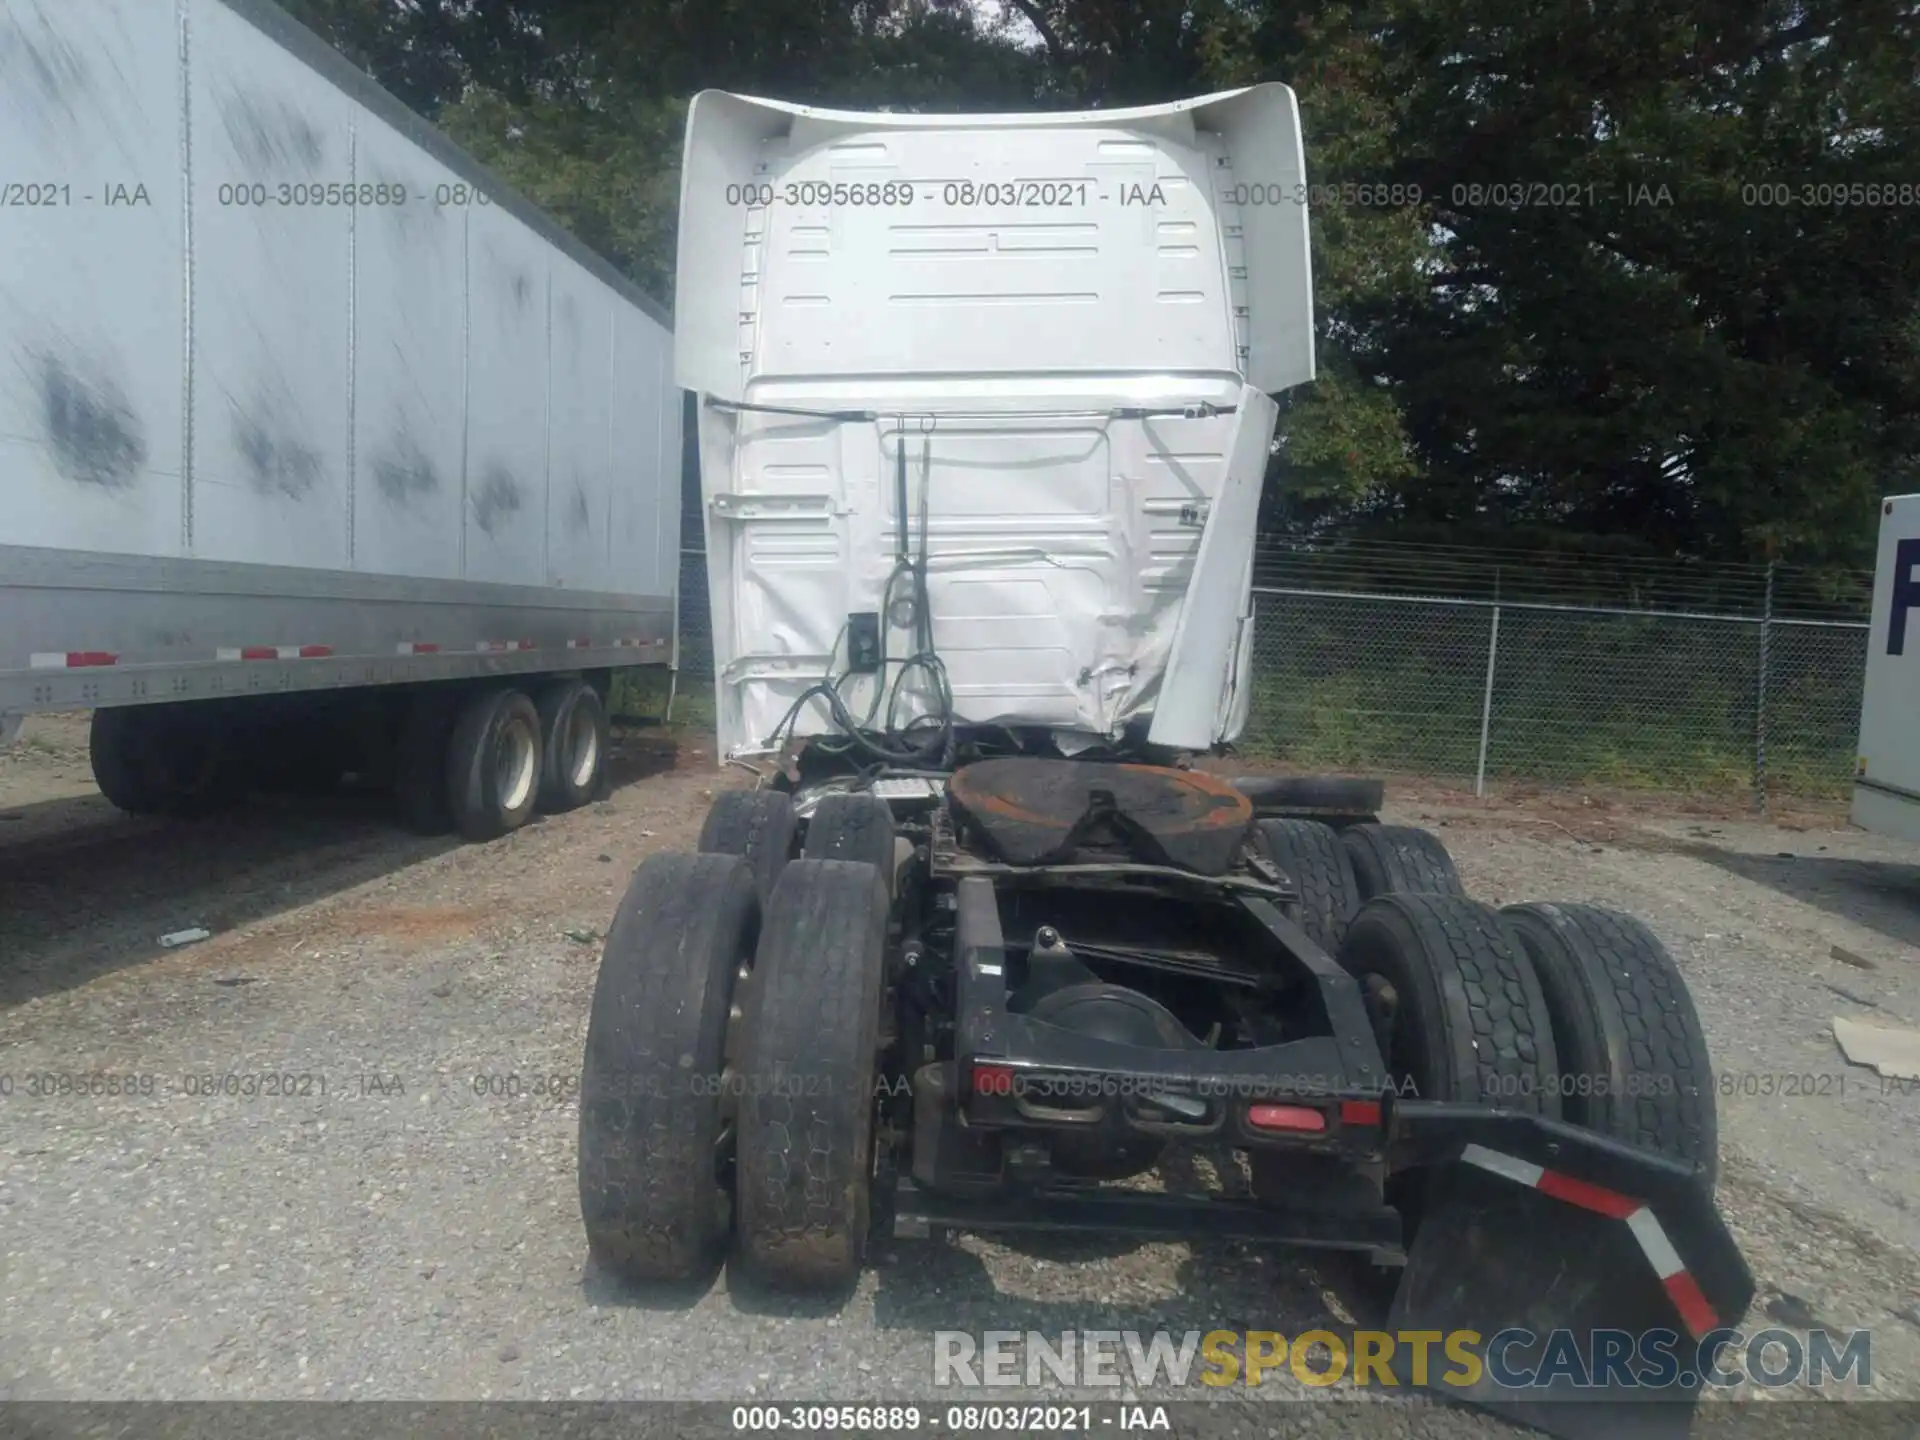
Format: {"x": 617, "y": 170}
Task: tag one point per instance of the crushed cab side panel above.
{"x": 991, "y": 295}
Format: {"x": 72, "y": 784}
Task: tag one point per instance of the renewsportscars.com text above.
{"x": 1512, "y": 1359}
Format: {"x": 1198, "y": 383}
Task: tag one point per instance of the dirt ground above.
{"x": 385, "y": 1208}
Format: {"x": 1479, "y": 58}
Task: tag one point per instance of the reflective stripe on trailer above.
{"x": 1680, "y": 1285}
{"x": 276, "y": 652}
{"x": 417, "y": 647}
{"x": 70, "y": 659}
{"x": 490, "y": 646}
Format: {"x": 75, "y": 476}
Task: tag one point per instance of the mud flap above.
{"x": 1585, "y": 1327}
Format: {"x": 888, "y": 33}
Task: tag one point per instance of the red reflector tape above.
{"x": 1685, "y": 1292}
{"x": 1359, "y": 1112}
{"x": 1609, "y": 1203}
{"x": 70, "y": 659}
{"x": 1694, "y": 1310}
{"x": 315, "y": 652}
{"x": 417, "y": 647}
{"x": 259, "y": 652}
{"x": 1299, "y": 1118}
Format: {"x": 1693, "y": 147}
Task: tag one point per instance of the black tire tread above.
{"x": 1312, "y": 794}
{"x": 810, "y": 1044}
{"x": 648, "y": 1195}
{"x": 476, "y": 815}
{"x": 757, "y": 825}
{"x": 1400, "y": 860}
{"x": 555, "y": 705}
{"x": 1311, "y": 855}
{"x": 855, "y": 825}
{"x": 113, "y": 736}
{"x": 420, "y": 762}
{"x": 1622, "y": 1013}
{"x": 1463, "y": 976}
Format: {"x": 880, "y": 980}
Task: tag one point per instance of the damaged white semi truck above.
{"x": 985, "y": 408}
{"x": 320, "y": 450}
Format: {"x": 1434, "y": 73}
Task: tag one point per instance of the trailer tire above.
{"x": 420, "y": 762}
{"x": 153, "y": 764}
{"x": 1633, "y": 1058}
{"x": 757, "y": 825}
{"x": 1400, "y": 860}
{"x": 653, "y": 1083}
{"x": 810, "y": 1038}
{"x": 853, "y": 826}
{"x": 1470, "y": 1023}
{"x": 573, "y": 743}
{"x": 493, "y": 764}
{"x": 118, "y": 745}
{"x": 1311, "y": 855}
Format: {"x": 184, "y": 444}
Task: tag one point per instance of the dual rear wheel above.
{"x": 729, "y": 1075}
{"x": 481, "y": 762}
{"x": 1572, "y": 1011}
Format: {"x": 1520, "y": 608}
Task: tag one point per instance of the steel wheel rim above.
{"x": 514, "y": 764}
{"x": 583, "y": 747}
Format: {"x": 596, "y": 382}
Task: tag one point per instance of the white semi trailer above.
{"x": 1886, "y": 786}
{"x": 319, "y": 448}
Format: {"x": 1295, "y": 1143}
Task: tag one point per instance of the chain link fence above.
{"x": 1488, "y": 690}
{"x": 1482, "y": 690}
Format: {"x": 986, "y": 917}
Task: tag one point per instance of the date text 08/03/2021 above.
{"x": 1045, "y": 194}
{"x": 1008, "y": 1419}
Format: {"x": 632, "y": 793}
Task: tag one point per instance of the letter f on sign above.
{"x": 1906, "y": 594}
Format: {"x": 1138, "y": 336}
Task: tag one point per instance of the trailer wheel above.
{"x": 493, "y": 764}
{"x": 1311, "y": 855}
{"x": 654, "y": 1085}
{"x": 1400, "y": 860}
{"x": 810, "y": 1038}
{"x": 853, "y": 826}
{"x": 124, "y": 766}
{"x": 1457, "y": 1000}
{"x": 1633, "y": 1059}
{"x": 152, "y": 764}
{"x": 573, "y": 742}
{"x": 420, "y": 761}
{"x": 755, "y": 824}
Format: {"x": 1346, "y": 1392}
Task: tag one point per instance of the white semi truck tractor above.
{"x": 1886, "y": 783}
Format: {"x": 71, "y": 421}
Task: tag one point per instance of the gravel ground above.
{"x": 388, "y": 1229}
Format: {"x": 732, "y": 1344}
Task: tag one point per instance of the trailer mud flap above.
{"x": 1585, "y": 1310}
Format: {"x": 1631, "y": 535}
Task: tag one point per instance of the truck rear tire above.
{"x": 1633, "y": 1059}
{"x": 855, "y": 825}
{"x": 810, "y": 1038}
{"x": 1310, "y": 854}
{"x": 1400, "y": 860}
{"x": 653, "y": 1083}
{"x": 493, "y": 764}
{"x": 1468, "y": 1022}
{"x": 573, "y": 739}
{"x": 1331, "y": 796}
{"x": 757, "y": 825}
{"x": 149, "y": 763}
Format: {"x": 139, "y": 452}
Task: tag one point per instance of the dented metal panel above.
{"x": 254, "y": 312}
